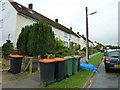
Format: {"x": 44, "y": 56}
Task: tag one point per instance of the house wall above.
{"x": 90, "y": 44}
{"x": 82, "y": 43}
{"x": 21, "y": 22}
{"x": 95, "y": 44}
{"x": 8, "y": 18}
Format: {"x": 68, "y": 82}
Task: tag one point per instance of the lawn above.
{"x": 78, "y": 80}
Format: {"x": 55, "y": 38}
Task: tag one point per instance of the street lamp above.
{"x": 87, "y": 34}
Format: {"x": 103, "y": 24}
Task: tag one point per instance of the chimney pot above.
{"x": 30, "y": 6}
{"x": 56, "y": 20}
{"x": 78, "y": 33}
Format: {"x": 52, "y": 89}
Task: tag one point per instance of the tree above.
{"x": 40, "y": 39}
{"x": 7, "y": 48}
{"x": 23, "y": 40}
{"x": 37, "y": 39}
{"x": 59, "y": 44}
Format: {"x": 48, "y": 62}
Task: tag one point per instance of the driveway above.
{"x": 19, "y": 81}
{"x": 106, "y": 80}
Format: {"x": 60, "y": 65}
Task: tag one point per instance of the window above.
{"x": 114, "y": 54}
{"x": 34, "y": 22}
{"x": 66, "y": 35}
{"x": 0, "y": 6}
{"x": 3, "y": 6}
{"x": 66, "y": 44}
{"x": 1, "y": 23}
{"x": 78, "y": 39}
{"x": 70, "y": 35}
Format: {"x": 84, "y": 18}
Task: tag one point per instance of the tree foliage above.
{"x": 23, "y": 40}
{"x": 7, "y": 48}
{"x": 37, "y": 39}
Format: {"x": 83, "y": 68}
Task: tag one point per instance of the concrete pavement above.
{"x": 84, "y": 58}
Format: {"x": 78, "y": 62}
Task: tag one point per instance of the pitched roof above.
{"x": 37, "y": 16}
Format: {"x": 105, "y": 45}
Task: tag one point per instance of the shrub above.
{"x": 7, "y": 48}
{"x": 36, "y": 39}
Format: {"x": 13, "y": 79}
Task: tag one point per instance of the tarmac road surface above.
{"x": 106, "y": 80}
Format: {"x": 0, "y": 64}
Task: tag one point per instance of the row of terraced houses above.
{"x": 14, "y": 16}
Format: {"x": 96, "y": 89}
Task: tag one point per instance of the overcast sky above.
{"x": 103, "y": 26}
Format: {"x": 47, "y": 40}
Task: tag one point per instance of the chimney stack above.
{"x": 30, "y": 6}
{"x": 70, "y": 28}
{"x": 78, "y": 33}
{"x": 56, "y": 20}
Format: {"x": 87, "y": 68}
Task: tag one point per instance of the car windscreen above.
{"x": 114, "y": 54}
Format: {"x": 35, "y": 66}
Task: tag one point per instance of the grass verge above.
{"x": 78, "y": 80}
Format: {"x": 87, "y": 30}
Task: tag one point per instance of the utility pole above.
{"x": 87, "y": 34}
{"x": 87, "y": 43}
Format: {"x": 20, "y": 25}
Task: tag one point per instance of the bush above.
{"x": 37, "y": 39}
{"x": 7, "y": 48}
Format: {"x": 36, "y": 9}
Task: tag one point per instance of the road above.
{"x": 106, "y": 80}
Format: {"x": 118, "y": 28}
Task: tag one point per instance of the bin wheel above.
{"x": 43, "y": 83}
{"x": 55, "y": 80}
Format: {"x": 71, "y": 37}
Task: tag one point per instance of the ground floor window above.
{"x": 66, "y": 44}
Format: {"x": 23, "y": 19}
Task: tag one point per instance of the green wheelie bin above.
{"x": 68, "y": 65}
{"x": 76, "y": 63}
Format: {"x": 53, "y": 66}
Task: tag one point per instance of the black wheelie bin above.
{"x": 47, "y": 70}
{"x": 60, "y": 69}
{"x": 15, "y": 63}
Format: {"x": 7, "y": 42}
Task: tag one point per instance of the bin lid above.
{"x": 47, "y": 60}
{"x": 16, "y": 56}
{"x": 60, "y": 59}
{"x": 76, "y": 55}
{"x": 68, "y": 57}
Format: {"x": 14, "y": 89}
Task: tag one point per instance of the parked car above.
{"x": 112, "y": 60}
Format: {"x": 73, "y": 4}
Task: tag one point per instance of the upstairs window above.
{"x": 1, "y": 23}
{"x": 66, "y": 35}
{"x": 70, "y": 35}
{"x": 0, "y": 6}
{"x": 3, "y": 6}
{"x": 78, "y": 39}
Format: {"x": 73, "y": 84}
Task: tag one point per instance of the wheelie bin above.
{"x": 75, "y": 65}
{"x": 60, "y": 68}
{"x": 68, "y": 65}
{"x": 47, "y": 70}
{"x": 15, "y": 63}
{"x": 77, "y": 61}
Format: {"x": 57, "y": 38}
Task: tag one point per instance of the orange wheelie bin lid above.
{"x": 47, "y": 60}
{"x": 60, "y": 59}
{"x": 16, "y": 56}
